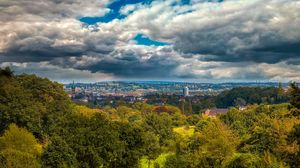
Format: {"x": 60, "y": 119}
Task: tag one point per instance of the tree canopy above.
{"x": 41, "y": 127}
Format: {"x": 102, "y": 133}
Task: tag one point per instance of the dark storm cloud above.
{"x": 41, "y": 48}
{"x": 292, "y": 48}
{"x": 231, "y": 31}
{"x": 268, "y": 34}
{"x": 46, "y": 41}
{"x": 38, "y": 49}
{"x": 218, "y": 48}
{"x": 133, "y": 62}
{"x": 133, "y": 68}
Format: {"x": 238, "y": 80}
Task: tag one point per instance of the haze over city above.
{"x": 169, "y": 40}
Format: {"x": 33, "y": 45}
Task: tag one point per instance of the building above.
{"x": 215, "y": 111}
{"x": 73, "y": 87}
{"x": 185, "y": 91}
{"x": 242, "y": 108}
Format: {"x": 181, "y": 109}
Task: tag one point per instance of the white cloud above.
{"x": 227, "y": 30}
{"x": 234, "y": 39}
{"x": 57, "y": 73}
{"x": 31, "y": 10}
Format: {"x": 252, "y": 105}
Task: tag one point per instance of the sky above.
{"x": 178, "y": 40}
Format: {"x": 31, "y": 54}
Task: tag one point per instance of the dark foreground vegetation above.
{"x": 41, "y": 127}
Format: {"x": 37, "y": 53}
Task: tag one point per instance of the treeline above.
{"x": 262, "y": 136}
{"x": 240, "y": 96}
{"x": 57, "y": 133}
{"x": 41, "y": 127}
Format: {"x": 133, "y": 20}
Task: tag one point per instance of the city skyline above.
{"x": 213, "y": 41}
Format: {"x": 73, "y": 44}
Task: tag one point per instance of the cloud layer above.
{"x": 224, "y": 40}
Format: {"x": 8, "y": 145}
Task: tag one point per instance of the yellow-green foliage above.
{"x": 160, "y": 160}
{"x": 123, "y": 114}
{"x": 185, "y": 131}
{"x": 19, "y": 149}
{"x": 167, "y": 109}
{"x": 217, "y": 141}
{"x": 131, "y": 135}
{"x": 266, "y": 130}
{"x": 88, "y": 112}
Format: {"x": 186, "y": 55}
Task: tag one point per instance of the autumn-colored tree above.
{"x": 19, "y": 149}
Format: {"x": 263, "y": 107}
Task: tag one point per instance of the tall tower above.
{"x": 185, "y": 91}
{"x": 73, "y": 90}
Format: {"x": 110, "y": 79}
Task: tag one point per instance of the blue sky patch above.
{"x": 144, "y": 40}
{"x": 115, "y": 7}
{"x": 185, "y": 2}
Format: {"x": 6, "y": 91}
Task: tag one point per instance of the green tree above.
{"x": 294, "y": 93}
{"x": 152, "y": 148}
{"x": 176, "y": 161}
{"x": 239, "y": 102}
{"x": 294, "y": 137}
{"x": 244, "y": 160}
{"x": 19, "y": 149}
{"x": 189, "y": 108}
{"x": 193, "y": 119}
{"x": 132, "y": 136}
{"x": 212, "y": 146}
{"x": 160, "y": 125}
{"x": 7, "y": 72}
{"x": 58, "y": 154}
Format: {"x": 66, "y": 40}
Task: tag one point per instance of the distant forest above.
{"x": 41, "y": 127}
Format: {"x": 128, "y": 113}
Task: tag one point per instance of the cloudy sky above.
{"x": 184, "y": 40}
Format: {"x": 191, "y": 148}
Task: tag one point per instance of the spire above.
{"x": 73, "y": 90}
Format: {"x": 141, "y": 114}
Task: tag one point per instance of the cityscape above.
{"x": 138, "y": 91}
{"x": 150, "y": 84}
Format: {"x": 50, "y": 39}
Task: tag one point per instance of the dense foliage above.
{"x": 41, "y": 127}
{"x": 240, "y": 96}
{"x": 251, "y": 95}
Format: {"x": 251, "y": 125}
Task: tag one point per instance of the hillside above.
{"x": 41, "y": 127}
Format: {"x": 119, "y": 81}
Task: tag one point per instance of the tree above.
{"x": 294, "y": 137}
{"x": 181, "y": 105}
{"x": 239, "y": 102}
{"x": 7, "y": 72}
{"x": 189, "y": 109}
{"x": 193, "y": 119}
{"x": 160, "y": 125}
{"x": 132, "y": 136}
{"x": 212, "y": 146}
{"x": 280, "y": 90}
{"x": 33, "y": 103}
{"x": 19, "y": 149}
{"x": 58, "y": 154}
{"x": 176, "y": 161}
{"x": 294, "y": 93}
{"x": 152, "y": 148}
{"x": 244, "y": 160}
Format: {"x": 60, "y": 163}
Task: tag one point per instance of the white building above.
{"x": 185, "y": 91}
